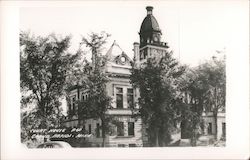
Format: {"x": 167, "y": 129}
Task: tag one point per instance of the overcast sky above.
{"x": 194, "y": 30}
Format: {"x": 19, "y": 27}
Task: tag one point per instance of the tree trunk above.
{"x": 78, "y": 107}
{"x": 193, "y": 135}
{"x": 215, "y": 113}
{"x": 216, "y": 124}
{"x": 157, "y": 138}
{"x": 103, "y": 132}
{"x": 194, "y": 138}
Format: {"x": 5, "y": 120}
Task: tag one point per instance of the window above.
{"x": 84, "y": 129}
{"x": 142, "y": 55}
{"x": 73, "y": 105}
{"x": 89, "y": 128}
{"x": 202, "y": 128}
{"x": 70, "y": 109}
{"x": 185, "y": 130}
{"x": 131, "y": 128}
{"x": 120, "y": 129}
{"x": 145, "y": 54}
{"x": 98, "y": 130}
{"x": 209, "y": 129}
{"x": 83, "y": 97}
{"x": 130, "y": 98}
{"x": 121, "y": 145}
{"x": 224, "y": 129}
{"x": 132, "y": 145}
{"x": 119, "y": 98}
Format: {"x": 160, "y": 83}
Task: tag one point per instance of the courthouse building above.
{"x": 128, "y": 130}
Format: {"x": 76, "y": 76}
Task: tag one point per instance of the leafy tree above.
{"x": 203, "y": 89}
{"x": 193, "y": 99}
{"x": 95, "y": 81}
{"x": 157, "y": 81}
{"x": 215, "y": 80}
{"x": 44, "y": 64}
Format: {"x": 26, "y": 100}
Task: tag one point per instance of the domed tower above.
{"x": 150, "y": 30}
{"x": 150, "y": 38}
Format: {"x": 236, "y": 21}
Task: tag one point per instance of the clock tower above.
{"x": 150, "y": 39}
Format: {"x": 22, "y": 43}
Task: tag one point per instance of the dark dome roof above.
{"x": 149, "y": 23}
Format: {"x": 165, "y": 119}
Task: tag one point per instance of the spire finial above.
{"x": 149, "y": 10}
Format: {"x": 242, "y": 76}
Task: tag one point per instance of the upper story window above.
{"x": 70, "y": 108}
{"x": 84, "y": 96}
{"x": 73, "y": 104}
{"x": 119, "y": 97}
{"x": 130, "y": 98}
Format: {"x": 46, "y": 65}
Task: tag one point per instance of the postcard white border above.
{"x": 237, "y": 116}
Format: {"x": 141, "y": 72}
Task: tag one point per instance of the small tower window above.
{"x": 156, "y": 39}
{"x": 141, "y": 40}
{"x": 145, "y": 54}
{"x": 142, "y": 55}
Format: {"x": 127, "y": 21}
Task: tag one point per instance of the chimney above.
{"x": 149, "y": 10}
{"x": 136, "y": 51}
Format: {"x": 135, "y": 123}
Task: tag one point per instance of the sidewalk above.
{"x": 203, "y": 141}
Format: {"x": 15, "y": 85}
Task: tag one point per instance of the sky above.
{"x": 194, "y": 30}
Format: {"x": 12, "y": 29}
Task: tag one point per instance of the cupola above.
{"x": 150, "y": 31}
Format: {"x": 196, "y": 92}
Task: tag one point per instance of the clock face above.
{"x": 154, "y": 51}
{"x": 123, "y": 60}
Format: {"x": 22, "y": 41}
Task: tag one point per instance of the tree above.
{"x": 157, "y": 81}
{"x": 98, "y": 101}
{"x": 193, "y": 98}
{"x": 215, "y": 80}
{"x": 44, "y": 64}
{"x": 203, "y": 89}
